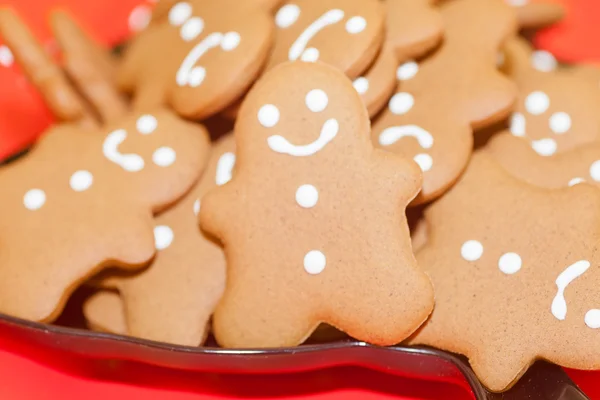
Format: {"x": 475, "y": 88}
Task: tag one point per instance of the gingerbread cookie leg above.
{"x": 104, "y": 312}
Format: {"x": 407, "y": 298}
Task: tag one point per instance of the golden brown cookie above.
{"x": 457, "y": 89}
{"x": 103, "y": 312}
{"x": 304, "y": 243}
{"x": 533, "y": 14}
{"x": 82, "y": 200}
{"x": 515, "y": 274}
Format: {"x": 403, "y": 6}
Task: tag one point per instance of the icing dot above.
{"x": 471, "y": 250}
{"x": 146, "y": 124}
{"x": 560, "y": 122}
{"x": 163, "y": 237}
{"x": 34, "y": 199}
{"x": 356, "y": 25}
{"x": 268, "y": 115}
{"x": 424, "y": 160}
{"x": 6, "y": 56}
{"x": 231, "y": 40}
{"x": 81, "y": 180}
{"x": 224, "y": 168}
{"x": 287, "y": 15}
{"x": 314, "y": 262}
{"x": 510, "y": 263}
{"x": 401, "y": 103}
{"x": 592, "y": 318}
{"x": 179, "y": 13}
{"x": 316, "y": 100}
{"x": 191, "y": 29}
{"x": 361, "y": 85}
{"x": 517, "y": 124}
{"x": 139, "y": 18}
{"x": 517, "y": 3}
{"x": 537, "y": 103}
{"x": 576, "y": 181}
{"x": 544, "y": 147}
{"x": 407, "y": 70}
{"x": 307, "y": 196}
{"x": 164, "y": 156}
{"x": 543, "y": 61}
{"x": 595, "y": 171}
{"x": 310, "y": 55}
{"x": 197, "y": 207}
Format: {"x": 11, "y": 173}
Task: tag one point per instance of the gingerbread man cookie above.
{"x": 326, "y": 252}
{"x": 515, "y": 274}
{"x": 439, "y": 103}
{"x": 557, "y": 110}
{"x": 172, "y": 300}
{"x": 82, "y": 200}
{"x": 200, "y": 59}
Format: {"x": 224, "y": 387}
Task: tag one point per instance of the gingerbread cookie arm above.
{"x": 40, "y": 69}
{"x": 104, "y": 312}
{"x": 539, "y": 14}
{"x": 89, "y": 66}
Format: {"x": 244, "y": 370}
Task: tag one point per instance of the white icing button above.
{"x": 407, "y": 70}
{"x": 401, "y": 103}
{"x": 287, "y": 16}
{"x": 307, "y": 196}
{"x": 163, "y": 237}
{"x": 356, "y": 25}
{"x": 139, "y": 18}
{"x": 310, "y": 55}
{"x": 592, "y": 318}
{"x": 595, "y": 171}
{"x": 510, "y": 263}
{"x": 268, "y": 115}
{"x": 146, "y": 124}
{"x": 517, "y": 124}
{"x": 314, "y": 262}
{"x": 560, "y": 122}
{"x": 81, "y": 180}
{"x": 34, "y": 199}
{"x": 316, "y": 100}
{"x": 543, "y": 61}
{"x": 544, "y": 147}
{"x": 230, "y": 41}
{"x": 471, "y": 250}
{"x": 6, "y": 56}
{"x": 576, "y": 181}
{"x": 361, "y": 85}
{"x": 424, "y": 160}
{"x": 537, "y": 103}
{"x": 164, "y": 156}
{"x": 192, "y": 28}
{"x": 197, "y": 207}
{"x": 179, "y": 13}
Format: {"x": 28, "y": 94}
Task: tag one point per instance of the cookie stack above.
{"x": 355, "y": 188}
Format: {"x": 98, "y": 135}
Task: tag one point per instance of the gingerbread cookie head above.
{"x": 327, "y": 252}
{"x": 533, "y": 14}
{"x": 441, "y": 100}
{"x": 557, "y": 110}
{"x": 346, "y": 34}
{"x": 94, "y": 191}
{"x": 513, "y": 268}
{"x": 215, "y": 51}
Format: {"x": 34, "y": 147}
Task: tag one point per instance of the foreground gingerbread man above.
{"x": 82, "y": 200}
{"x": 313, "y": 220}
{"x": 515, "y": 271}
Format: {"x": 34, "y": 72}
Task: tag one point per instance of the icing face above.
{"x": 216, "y": 50}
{"x": 342, "y": 33}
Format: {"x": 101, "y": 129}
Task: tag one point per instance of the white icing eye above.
{"x": 424, "y": 160}
{"x": 268, "y": 115}
{"x": 316, "y": 100}
{"x": 163, "y": 237}
{"x": 407, "y": 71}
{"x": 81, "y": 180}
{"x": 560, "y": 122}
{"x": 146, "y": 124}
{"x": 356, "y": 25}
{"x": 471, "y": 250}
{"x": 34, "y": 199}
{"x": 231, "y": 40}
{"x": 401, "y": 103}
{"x": 191, "y": 29}
{"x": 314, "y": 262}
{"x": 310, "y": 55}
{"x": 164, "y": 156}
{"x": 517, "y": 124}
{"x": 595, "y": 171}
{"x": 543, "y": 61}
{"x": 6, "y": 56}
{"x": 544, "y": 147}
{"x": 287, "y": 16}
{"x": 510, "y": 263}
{"x": 592, "y": 318}
{"x": 179, "y": 13}
{"x": 307, "y": 196}
{"x": 139, "y": 18}
{"x": 537, "y": 103}
{"x": 361, "y": 85}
